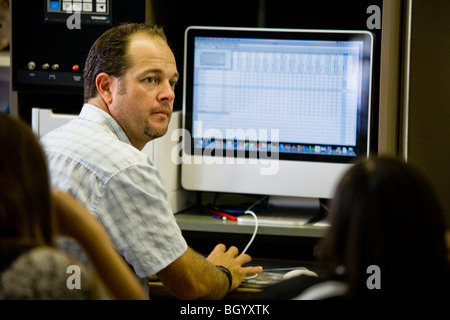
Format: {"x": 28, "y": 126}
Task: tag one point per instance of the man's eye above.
{"x": 150, "y": 80}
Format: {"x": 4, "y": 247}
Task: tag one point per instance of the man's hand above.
{"x": 233, "y": 261}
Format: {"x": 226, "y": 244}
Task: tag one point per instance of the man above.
{"x": 130, "y": 75}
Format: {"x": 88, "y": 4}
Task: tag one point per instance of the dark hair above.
{"x": 385, "y": 213}
{"x": 109, "y": 53}
{"x": 25, "y": 203}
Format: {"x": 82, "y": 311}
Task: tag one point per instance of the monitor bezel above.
{"x": 314, "y": 176}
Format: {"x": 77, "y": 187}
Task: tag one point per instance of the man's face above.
{"x": 143, "y": 97}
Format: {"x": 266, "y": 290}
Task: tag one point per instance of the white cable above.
{"x": 254, "y": 232}
{"x": 248, "y": 211}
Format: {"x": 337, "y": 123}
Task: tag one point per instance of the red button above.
{"x": 76, "y": 67}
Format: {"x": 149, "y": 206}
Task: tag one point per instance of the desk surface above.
{"x": 246, "y": 291}
{"x": 159, "y": 292}
{"x": 192, "y": 220}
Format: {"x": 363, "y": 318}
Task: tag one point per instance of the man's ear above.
{"x": 105, "y": 86}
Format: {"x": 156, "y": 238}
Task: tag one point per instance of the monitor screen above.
{"x": 274, "y": 111}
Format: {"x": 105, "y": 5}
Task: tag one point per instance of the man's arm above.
{"x": 193, "y": 276}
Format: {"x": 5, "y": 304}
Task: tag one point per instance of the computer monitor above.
{"x": 278, "y": 112}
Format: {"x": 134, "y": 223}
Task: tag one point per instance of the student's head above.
{"x": 25, "y": 205}
{"x": 385, "y": 213}
{"x": 131, "y": 73}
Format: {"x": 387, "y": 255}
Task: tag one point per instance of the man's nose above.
{"x": 166, "y": 93}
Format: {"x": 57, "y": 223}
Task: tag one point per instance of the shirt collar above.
{"x": 96, "y": 115}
